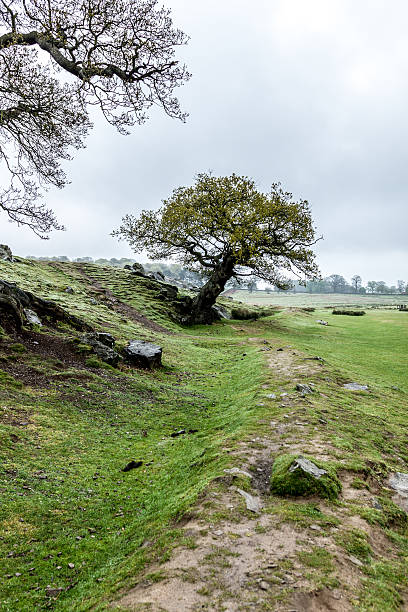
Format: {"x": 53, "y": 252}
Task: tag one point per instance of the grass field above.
{"x": 75, "y": 529}
{"x": 324, "y": 300}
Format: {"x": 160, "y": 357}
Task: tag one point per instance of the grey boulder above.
{"x": 32, "y": 317}
{"x": 5, "y": 253}
{"x": 102, "y": 344}
{"x": 143, "y": 354}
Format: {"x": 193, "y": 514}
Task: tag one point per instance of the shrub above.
{"x": 244, "y": 314}
{"x": 351, "y": 313}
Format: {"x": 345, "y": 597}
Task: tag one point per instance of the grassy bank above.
{"x": 75, "y": 528}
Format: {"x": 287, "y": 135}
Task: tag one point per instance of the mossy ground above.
{"x": 71, "y": 519}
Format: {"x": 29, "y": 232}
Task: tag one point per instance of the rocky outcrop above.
{"x": 102, "y": 344}
{"x": 143, "y": 354}
{"x": 5, "y": 253}
{"x": 14, "y": 302}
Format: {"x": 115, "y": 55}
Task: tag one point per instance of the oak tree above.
{"x": 58, "y": 58}
{"x": 224, "y": 228}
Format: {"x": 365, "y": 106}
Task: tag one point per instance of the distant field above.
{"x": 262, "y": 298}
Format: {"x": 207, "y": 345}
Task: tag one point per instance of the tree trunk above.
{"x": 202, "y": 310}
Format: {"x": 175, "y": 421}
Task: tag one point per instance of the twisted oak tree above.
{"x": 225, "y": 228}
{"x": 58, "y": 58}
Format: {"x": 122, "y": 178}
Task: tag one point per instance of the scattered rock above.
{"x": 263, "y": 585}
{"x": 355, "y": 387}
{"x": 132, "y": 465}
{"x": 237, "y": 471}
{"x": 101, "y": 344}
{"x": 252, "y": 503}
{"x": 143, "y": 354}
{"x": 321, "y": 322}
{"x": 298, "y": 476}
{"x": 304, "y": 389}
{"x": 69, "y": 290}
{"x": 399, "y": 482}
{"x": 5, "y": 253}
{"x": 221, "y": 312}
{"x": 271, "y": 396}
{"x": 53, "y": 591}
{"x": 31, "y": 317}
{"x": 176, "y": 434}
{"x": 355, "y": 561}
{"x": 71, "y": 565}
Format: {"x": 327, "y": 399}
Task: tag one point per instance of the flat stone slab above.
{"x": 252, "y": 503}
{"x": 301, "y": 463}
{"x": 355, "y": 387}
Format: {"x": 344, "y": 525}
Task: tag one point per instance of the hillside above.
{"x": 78, "y": 533}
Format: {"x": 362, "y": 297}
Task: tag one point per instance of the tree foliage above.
{"x": 223, "y": 227}
{"x": 58, "y": 58}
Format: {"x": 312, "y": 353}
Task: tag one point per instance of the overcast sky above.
{"x": 313, "y": 94}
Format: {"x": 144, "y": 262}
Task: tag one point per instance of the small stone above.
{"x": 355, "y": 387}
{"x": 271, "y": 396}
{"x": 17, "y": 574}
{"x": 71, "y": 565}
{"x": 218, "y": 532}
{"x": 263, "y": 585}
{"x": 304, "y": 389}
{"x": 238, "y": 471}
{"x": 252, "y": 503}
{"x": 315, "y": 527}
{"x": 355, "y": 561}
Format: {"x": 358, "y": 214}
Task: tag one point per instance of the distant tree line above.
{"x": 338, "y": 284}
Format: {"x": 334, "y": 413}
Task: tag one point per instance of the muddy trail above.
{"x": 246, "y": 551}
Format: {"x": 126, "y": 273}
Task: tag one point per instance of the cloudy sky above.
{"x": 313, "y": 94}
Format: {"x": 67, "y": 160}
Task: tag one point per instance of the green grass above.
{"x": 65, "y": 440}
{"x": 318, "y": 300}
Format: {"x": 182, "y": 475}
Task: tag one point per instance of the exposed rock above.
{"x": 399, "y": 482}
{"x": 355, "y": 387}
{"x": 252, "y": 503}
{"x": 355, "y": 561}
{"x": 143, "y": 354}
{"x": 321, "y": 322}
{"x": 69, "y": 290}
{"x": 237, "y": 471}
{"x": 221, "y": 312}
{"x": 102, "y": 345}
{"x": 298, "y": 476}
{"x": 5, "y": 253}
{"x": 304, "y": 389}
{"x": 137, "y": 268}
{"x": 31, "y": 317}
{"x": 13, "y": 302}
{"x": 271, "y": 396}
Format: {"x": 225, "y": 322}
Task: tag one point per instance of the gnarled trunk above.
{"x": 202, "y": 310}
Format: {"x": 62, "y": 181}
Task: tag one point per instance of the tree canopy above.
{"x": 223, "y": 227}
{"x": 58, "y": 58}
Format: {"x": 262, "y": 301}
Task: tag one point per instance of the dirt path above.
{"x": 124, "y": 309}
{"x": 282, "y": 557}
